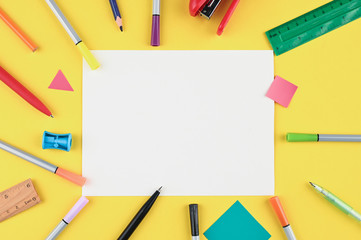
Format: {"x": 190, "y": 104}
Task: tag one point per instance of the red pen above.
{"x": 17, "y": 87}
{"x": 227, "y": 17}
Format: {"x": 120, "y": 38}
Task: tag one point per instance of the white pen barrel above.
{"x": 57, "y": 230}
{"x": 156, "y": 7}
{"x": 64, "y": 21}
{"x": 289, "y": 233}
{"x": 338, "y": 138}
{"x": 28, "y": 157}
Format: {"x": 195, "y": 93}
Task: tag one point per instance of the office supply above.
{"x": 227, "y": 17}
{"x": 17, "y": 199}
{"x": 193, "y": 213}
{"x": 235, "y": 224}
{"x": 304, "y": 137}
{"x": 206, "y": 8}
{"x": 93, "y": 63}
{"x": 60, "y": 82}
{"x": 344, "y": 207}
{"x": 277, "y": 206}
{"x": 155, "y": 38}
{"x": 79, "y": 205}
{"x": 57, "y": 141}
{"x": 197, "y": 127}
{"x": 128, "y": 231}
{"x": 17, "y": 87}
{"x": 79, "y": 180}
{"x": 313, "y": 24}
{"x": 281, "y": 91}
{"x": 18, "y": 31}
{"x": 116, "y": 13}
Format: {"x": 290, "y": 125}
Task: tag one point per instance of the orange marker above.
{"x": 277, "y": 206}
{"x": 18, "y": 31}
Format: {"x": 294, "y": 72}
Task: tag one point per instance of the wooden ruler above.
{"x": 17, "y": 199}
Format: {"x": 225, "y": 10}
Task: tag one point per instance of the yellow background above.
{"x": 327, "y": 71}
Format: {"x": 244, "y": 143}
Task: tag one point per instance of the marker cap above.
{"x": 301, "y": 137}
{"x": 76, "y": 209}
{"x": 193, "y": 212}
{"x": 89, "y": 57}
{"x": 277, "y": 206}
{"x": 155, "y": 38}
{"x": 72, "y": 177}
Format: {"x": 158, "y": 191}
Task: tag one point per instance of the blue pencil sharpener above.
{"x": 57, "y": 141}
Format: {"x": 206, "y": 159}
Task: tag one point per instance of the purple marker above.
{"x": 155, "y": 41}
{"x": 68, "y": 218}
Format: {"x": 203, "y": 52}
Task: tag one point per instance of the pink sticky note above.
{"x": 281, "y": 91}
{"x": 60, "y": 82}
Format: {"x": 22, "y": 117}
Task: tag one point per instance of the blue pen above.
{"x": 116, "y": 13}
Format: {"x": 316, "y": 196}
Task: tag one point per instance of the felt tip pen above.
{"x": 344, "y": 207}
{"x": 155, "y": 38}
{"x": 79, "y": 205}
{"x": 93, "y": 63}
{"x": 277, "y": 207}
{"x": 128, "y": 231}
{"x": 74, "y": 178}
{"x": 304, "y": 137}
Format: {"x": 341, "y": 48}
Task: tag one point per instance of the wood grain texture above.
{"x": 17, "y": 199}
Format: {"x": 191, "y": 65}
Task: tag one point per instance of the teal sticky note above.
{"x": 236, "y": 224}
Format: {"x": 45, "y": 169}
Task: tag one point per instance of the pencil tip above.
{"x": 160, "y": 188}
{"x": 312, "y": 184}
{"x": 119, "y": 22}
{"x": 51, "y": 116}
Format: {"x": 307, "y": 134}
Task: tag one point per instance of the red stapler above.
{"x": 206, "y": 9}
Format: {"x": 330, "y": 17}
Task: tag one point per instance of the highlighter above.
{"x": 88, "y": 56}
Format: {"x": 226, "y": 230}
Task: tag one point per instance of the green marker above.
{"x": 304, "y": 137}
{"x": 344, "y": 207}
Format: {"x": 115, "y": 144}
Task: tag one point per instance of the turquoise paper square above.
{"x": 236, "y": 224}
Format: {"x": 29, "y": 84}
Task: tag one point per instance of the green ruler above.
{"x": 313, "y": 24}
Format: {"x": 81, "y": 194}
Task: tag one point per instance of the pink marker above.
{"x": 68, "y": 218}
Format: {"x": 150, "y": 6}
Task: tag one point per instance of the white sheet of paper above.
{"x": 195, "y": 122}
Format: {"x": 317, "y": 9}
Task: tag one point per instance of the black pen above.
{"x": 128, "y": 231}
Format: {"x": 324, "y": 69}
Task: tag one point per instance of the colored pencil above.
{"x": 18, "y": 31}
{"x": 116, "y": 13}
{"x": 17, "y": 87}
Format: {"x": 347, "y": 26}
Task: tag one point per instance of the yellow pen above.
{"x": 93, "y": 63}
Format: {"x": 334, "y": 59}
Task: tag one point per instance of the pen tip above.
{"x": 160, "y": 189}
{"x": 51, "y": 116}
{"x": 312, "y": 184}
{"x": 121, "y": 28}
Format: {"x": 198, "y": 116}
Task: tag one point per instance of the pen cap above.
{"x": 76, "y": 209}
{"x": 72, "y": 177}
{"x": 193, "y": 212}
{"x": 301, "y": 137}
{"x": 155, "y": 37}
{"x": 277, "y": 206}
{"x": 89, "y": 57}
